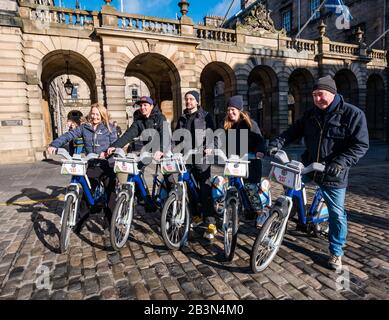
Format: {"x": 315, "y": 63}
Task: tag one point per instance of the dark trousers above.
{"x": 99, "y": 170}
{"x": 202, "y": 175}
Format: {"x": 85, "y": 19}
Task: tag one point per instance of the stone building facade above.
{"x": 268, "y": 68}
{"x": 371, "y": 16}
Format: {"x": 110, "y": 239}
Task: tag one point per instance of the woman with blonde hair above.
{"x": 98, "y": 134}
{"x": 239, "y": 120}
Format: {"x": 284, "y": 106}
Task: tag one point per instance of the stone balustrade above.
{"x": 215, "y": 34}
{"x": 149, "y": 24}
{"x": 132, "y": 22}
{"x": 344, "y": 49}
{"x": 301, "y": 45}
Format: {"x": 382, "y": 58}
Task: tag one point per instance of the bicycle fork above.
{"x": 72, "y": 190}
{"x": 282, "y": 203}
{"x": 128, "y": 191}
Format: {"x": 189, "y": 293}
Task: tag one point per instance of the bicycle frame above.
{"x": 305, "y": 216}
{"x": 238, "y": 184}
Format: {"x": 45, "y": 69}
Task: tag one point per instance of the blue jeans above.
{"x": 334, "y": 199}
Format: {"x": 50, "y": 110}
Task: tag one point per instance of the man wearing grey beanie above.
{"x": 335, "y": 133}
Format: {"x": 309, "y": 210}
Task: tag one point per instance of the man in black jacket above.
{"x": 147, "y": 116}
{"x": 196, "y": 118}
{"x": 335, "y": 132}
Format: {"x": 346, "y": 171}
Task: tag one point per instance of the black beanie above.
{"x": 195, "y": 94}
{"x": 236, "y": 102}
{"x": 325, "y": 83}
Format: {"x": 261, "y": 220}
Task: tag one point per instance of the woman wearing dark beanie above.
{"x": 239, "y": 120}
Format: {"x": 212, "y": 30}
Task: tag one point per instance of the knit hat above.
{"x": 195, "y": 94}
{"x": 325, "y": 83}
{"x": 236, "y": 102}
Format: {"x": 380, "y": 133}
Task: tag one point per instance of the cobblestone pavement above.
{"x": 145, "y": 269}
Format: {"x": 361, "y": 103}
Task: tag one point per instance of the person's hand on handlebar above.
{"x": 51, "y": 150}
{"x": 333, "y": 169}
{"x": 103, "y": 155}
{"x": 158, "y": 155}
{"x": 110, "y": 150}
{"x": 272, "y": 150}
{"x": 208, "y": 152}
{"x": 259, "y": 155}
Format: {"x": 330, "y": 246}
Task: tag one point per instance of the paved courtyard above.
{"x": 32, "y": 268}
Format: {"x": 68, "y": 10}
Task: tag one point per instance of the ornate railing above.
{"x": 342, "y": 48}
{"x": 301, "y": 45}
{"x": 377, "y": 54}
{"x": 45, "y": 15}
{"x": 215, "y": 34}
{"x": 148, "y": 24}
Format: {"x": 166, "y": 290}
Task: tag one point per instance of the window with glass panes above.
{"x": 314, "y": 4}
{"x": 287, "y": 20}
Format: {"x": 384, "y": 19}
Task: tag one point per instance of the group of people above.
{"x": 334, "y": 133}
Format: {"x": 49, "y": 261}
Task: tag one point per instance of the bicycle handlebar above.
{"x": 76, "y": 157}
{"x": 220, "y": 153}
{"x": 120, "y": 152}
{"x": 284, "y": 159}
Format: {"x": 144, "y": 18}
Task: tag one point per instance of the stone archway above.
{"x": 218, "y": 84}
{"x": 52, "y": 66}
{"x": 161, "y": 78}
{"x": 347, "y": 85}
{"x": 300, "y": 88}
{"x": 375, "y": 107}
{"x": 263, "y": 98}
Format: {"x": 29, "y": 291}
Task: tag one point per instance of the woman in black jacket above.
{"x": 239, "y": 120}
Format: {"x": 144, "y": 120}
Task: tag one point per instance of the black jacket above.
{"x": 339, "y": 135}
{"x": 154, "y": 121}
{"x": 255, "y": 144}
{"x": 201, "y": 119}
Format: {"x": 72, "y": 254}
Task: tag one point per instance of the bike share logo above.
{"x": 42, "y": 17}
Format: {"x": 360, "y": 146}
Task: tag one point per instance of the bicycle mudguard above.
{"x": 126, "y": 190}
{"x": 281, "y": 206}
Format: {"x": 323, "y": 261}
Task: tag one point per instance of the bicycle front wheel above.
{"x": 267, "y": 243}
{"x": 174, "y": 225}
{"x": 66, "y": 227}
{"x": 230, "y": 229}
{"x": 121, "y": 221}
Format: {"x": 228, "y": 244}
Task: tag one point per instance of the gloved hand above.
{"x": 272, "y": 150}
{"x": 333, "y": 169}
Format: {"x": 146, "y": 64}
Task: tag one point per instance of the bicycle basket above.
{"x": 128, "y": 166}
{"x": 236, "y": 168}
{"x": 73, "y": 168}
{"x": 170, "y": 165}
{"x": 288, "y": 177}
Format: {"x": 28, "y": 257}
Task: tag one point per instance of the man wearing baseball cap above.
{"x": 335, "y": 133}
{"x": 147, "y": 116}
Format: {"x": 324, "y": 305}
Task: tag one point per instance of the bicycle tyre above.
{"x": 230, "y": 241}
{"x": 66, "y": 218}
{"x": 119, "y": 232}
{"x": 178, "y": 242}
{"x": 259, "y": 244}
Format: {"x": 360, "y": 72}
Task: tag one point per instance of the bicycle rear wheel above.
{"x": 66, "y": 227}
{"x": 267, "y": 243}
{"x": 121, "y": 221}
{"x": 230, "y": 228}
{"x": 174, "y": 227}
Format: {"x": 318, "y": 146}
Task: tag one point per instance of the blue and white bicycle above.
{"x": 79, "y": 190}
{"x": 314, "y": 217}
{"x": 125, "y": 205}
{"x": 230, "y": 194}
